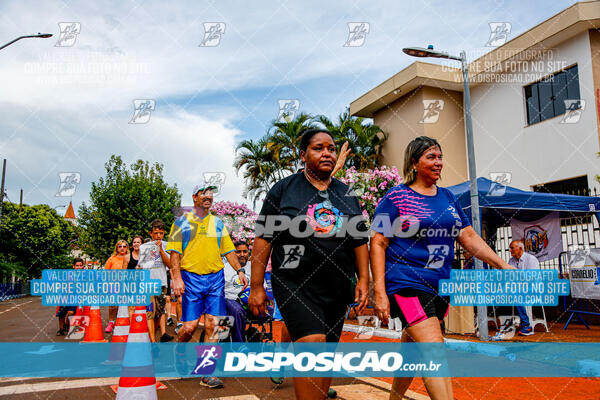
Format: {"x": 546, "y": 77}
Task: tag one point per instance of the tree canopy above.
{"x": 33, "y": 239}
{"x": 123, "y": 203}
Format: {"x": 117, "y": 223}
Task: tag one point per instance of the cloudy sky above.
{"x": 66, "y": 104}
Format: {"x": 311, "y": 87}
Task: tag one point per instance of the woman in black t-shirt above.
{"x": 312, "y": 227}
{"x": 134, "y": 255}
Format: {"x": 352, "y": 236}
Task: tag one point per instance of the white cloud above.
{"x": 66, "y": 108}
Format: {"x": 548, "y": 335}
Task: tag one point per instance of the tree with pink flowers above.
{"x": 370, "y": 186}
{"x": 238, "y": 219}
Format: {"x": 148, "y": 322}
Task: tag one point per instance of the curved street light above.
{"x": 39, "y": 35}
{"x": 430, "y": 52}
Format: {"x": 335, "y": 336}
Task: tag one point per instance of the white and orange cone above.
{"x": 119, "y": 336}
{"x": 138, "y": 358}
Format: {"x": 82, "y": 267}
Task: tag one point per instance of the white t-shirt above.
{"x": 233, "y": 285}
{"x": 527, "y": 261}
{"x": 150, "y": 259}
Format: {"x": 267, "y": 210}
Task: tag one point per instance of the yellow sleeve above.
{"x": 226, "y": 242}
{"x": 175, "y": 242}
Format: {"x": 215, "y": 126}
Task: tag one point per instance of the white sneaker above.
{"x": 178, "y": 327}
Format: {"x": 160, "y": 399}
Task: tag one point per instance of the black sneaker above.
{"x": 278, "y": 380}
{"x": 331, "y": 394}
{"x": 61, "y": 332}
{"x": 212, "y": 382}
{"x": 170, "y": 321}
{"x": 166, "y": 338}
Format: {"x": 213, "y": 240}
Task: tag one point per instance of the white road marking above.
{"x": 13, "y": 307}
{"x": 61, "y": 385}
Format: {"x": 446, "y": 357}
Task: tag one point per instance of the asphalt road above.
{"x": 26, "y": 320}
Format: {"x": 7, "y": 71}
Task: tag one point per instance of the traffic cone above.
{"x": 119, "y": 336}
{"x": 93, "y": 333}
{"x": 86, "y": 311}
{"x": 138, "y": 358}
{"x": 79, "y": 311}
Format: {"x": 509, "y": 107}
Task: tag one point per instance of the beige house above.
{"x": 518, "y": 94}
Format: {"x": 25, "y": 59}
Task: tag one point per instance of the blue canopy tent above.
{"x": 500, "y": 203}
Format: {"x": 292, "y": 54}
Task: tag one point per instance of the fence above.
{"x": 9, "y": 291}
{"x": 576, "y": 232}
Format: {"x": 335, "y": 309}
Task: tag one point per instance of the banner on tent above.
{"x": 584, "y": 273}
{"x": 542, "y": 238}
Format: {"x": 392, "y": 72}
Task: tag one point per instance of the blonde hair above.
{"x": 413, "y": 153}
{"x": 115, "y": 251}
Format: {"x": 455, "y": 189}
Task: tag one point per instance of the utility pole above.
{"x": 21, "y": 201}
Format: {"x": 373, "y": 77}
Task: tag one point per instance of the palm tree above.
{"x": 259, "y": 166}
{"x": 284, "y": 140}
{"x": 365, "y": 139}
{"x": 277, "y": 154}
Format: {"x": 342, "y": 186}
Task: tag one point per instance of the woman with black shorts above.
{"x": 411, "y": 253}
{"x": 317, "y": 239}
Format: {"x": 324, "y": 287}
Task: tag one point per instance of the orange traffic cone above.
{"x": 93, "y": 333}
{"x": 79, "y": 311}
{"x": 138, "y": 359}
{"x": 119, "y": 336}
{"x": 86, "y": 311}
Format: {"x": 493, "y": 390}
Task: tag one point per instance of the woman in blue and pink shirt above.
{"x": 416, "y": 225}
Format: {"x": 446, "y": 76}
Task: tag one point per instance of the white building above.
{"x": 518, "y": 93}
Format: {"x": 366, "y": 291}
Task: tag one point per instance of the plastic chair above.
{"x": 533, "y": 322}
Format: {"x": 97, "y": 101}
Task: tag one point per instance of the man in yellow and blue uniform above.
{"x": 197, "y": 242}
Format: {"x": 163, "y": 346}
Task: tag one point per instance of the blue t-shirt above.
{"x": 422, "y": 230}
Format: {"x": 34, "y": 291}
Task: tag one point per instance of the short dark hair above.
{"x": 158, "y": 224}
{"x": 137, "y": 237}
{"x": 309, "y": 133}
{"x": 78, "y": 259}
{"x": 240, "y": 243}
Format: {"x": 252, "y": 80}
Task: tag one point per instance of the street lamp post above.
{"x": 39, "y": 35}
{"x": 430, "y": 52}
